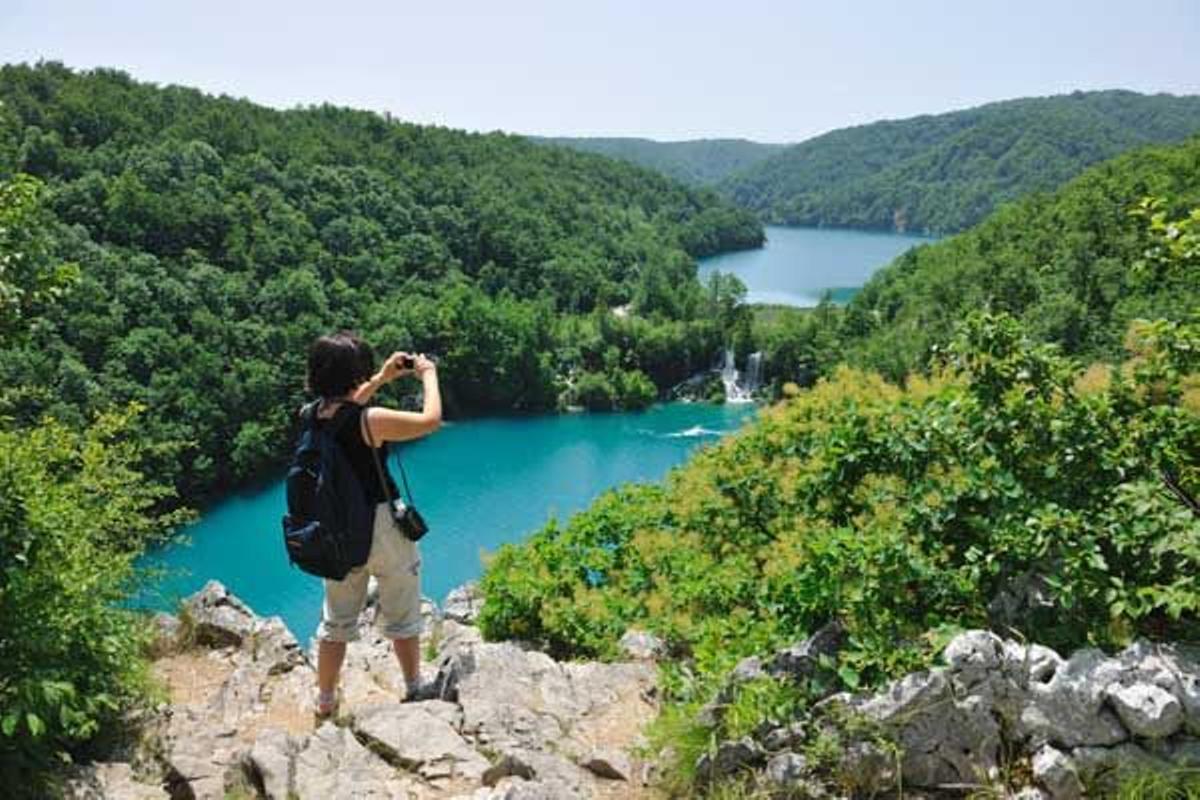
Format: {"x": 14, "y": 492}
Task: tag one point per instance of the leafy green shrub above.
{"x": 634, "y": 390}
{"x": 902, "y": 511}
{"x": 74, "y": 514}
{"x": 594, "y": 391}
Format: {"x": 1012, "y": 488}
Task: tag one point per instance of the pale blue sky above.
{"x": 772, "y": 71}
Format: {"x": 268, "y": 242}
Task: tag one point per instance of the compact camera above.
{"x": 408, "y": 520}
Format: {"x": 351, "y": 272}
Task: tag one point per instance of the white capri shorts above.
{"x": 395, "y": 561}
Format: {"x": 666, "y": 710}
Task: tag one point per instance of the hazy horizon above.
{"x": 673, "y": 72}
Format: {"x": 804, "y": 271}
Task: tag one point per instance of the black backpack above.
{"x": 328, "y": 524}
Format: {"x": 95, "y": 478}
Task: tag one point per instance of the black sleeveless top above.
{"x": 350, "y": 437}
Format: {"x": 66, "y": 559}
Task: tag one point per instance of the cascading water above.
{"x": 735, "y": 390}
{"x": 754, "y": 368}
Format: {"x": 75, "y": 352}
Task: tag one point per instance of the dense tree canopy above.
{"x": 699, "y": 162}
{"x": 943, "y": 173}
{"x": 214, "y": 238}
{"x": 1075, "y": 267}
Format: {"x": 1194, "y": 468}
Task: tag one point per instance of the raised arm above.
{"x": 387, "y": 425}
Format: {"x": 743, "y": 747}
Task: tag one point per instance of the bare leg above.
{"x": 329, "y": 664}
{"x": 408, "y": 653}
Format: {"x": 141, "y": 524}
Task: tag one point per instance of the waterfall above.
{"x": 735, "y": 392}
{"x": 754, "y": 372}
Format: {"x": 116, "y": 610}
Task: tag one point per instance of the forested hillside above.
{"x": 943, "y": 173}
{"x": 214, "y": 238}
{"x": 1001, "y": 485}
{"x": 1072, "y": 266}
{"x": 699, "y": 162}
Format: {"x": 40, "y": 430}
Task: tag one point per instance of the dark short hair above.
{"x": 338, "y": 363}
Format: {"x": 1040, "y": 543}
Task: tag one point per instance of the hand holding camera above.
{"x": 401, "y": 363}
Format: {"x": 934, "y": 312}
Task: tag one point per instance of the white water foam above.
{"x": 693, "y": 432}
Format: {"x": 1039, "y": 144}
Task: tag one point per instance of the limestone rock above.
{"x": 219, "y": 618}
{"x": 867, "y": 769}
{"x": 110, "y": 781}
{"x": 800, "y": 661}
{"x": 609, "y": 763}
{"x": 729, "y": 758}
{"x": 270, "y": 763}
{"x": 516, "y": 789}
{"x": 1147, "y": 710}
{"x": 274, "y": 647}
{"x": 748, "y": 669}
{"x": 552, "y": 773}
{"x": 786, "y": 768}
{"x": 1029, "y": 793}
{"x": 1101, "y": 766}
{"x": 508, "y": 765}
{"x": 1173, "y": 668}
{"x": 641, "y": 645}
{"x": 167, "y": 629}
{"x": 463, "y": 603}
{"x": 332, "y": 765}
{"x": 1056, "y": 772}
{"x": 1069, "y": 710}
{"x": 784, "y": 737}
{"x": 418, "y": 739}
{"x": 514, "y": 698}
{"x": 198, "y": 754}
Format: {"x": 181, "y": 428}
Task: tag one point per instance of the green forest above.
{"x": 943, "y": 173}
{"x": 1071, "y": 266}
{"x": 1074, "y": 266}
{"x": 214, "y": 239}
{"x": 698, "y": 162}
{"x": 1022, "y": 399}
{"x": 899, "y": 510}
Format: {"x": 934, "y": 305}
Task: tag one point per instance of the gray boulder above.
{"x": 786, "y": 768}
{"x": 508, "y": 765}
{"x": 332, "y": 765}
{"x": 1056, "y": 772}
{"x": 463, "y": 603}
{"x": 641, "y": 645}
{"x": 418, "y": 739}
{"x": 219, "y": 619}
{"x": 729, "y": 758}
{"x": 608, "y": 763}
{"x": 1147, "y": 710}
{"x": 1069, "y": 710}
{"x": 273, "y": 646}
{"x": 109, "y": 781}
{"x": 270, "y": 764}
{"x": 800, "y": 661}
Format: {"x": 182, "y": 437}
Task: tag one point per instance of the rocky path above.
{"x": 500, "y": 720}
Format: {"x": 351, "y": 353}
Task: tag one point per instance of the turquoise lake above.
{"x": 479, "y": 484}
{"x": 798, "y": 265}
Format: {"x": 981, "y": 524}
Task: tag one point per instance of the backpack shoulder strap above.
{"x": 308, "y": 413}
{"x": 343, "y": 415}
{"x": 337, "y": 420}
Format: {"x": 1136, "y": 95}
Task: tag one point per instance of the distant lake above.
{"x": 798, "y": 265}
{"x": 479, "y": 483}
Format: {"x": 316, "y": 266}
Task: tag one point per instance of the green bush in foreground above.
{"x": 902, "y": 512}
{"x": 74, "y": 513}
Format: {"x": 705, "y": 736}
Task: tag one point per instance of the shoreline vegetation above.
{"x": 997, "y": 410}
{"x": 215, "y": 238}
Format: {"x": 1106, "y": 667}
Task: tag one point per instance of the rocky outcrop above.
{"x": 499, "y": 720}
{"x": 463, "y": 603}
{"x": 1075, "y": 722}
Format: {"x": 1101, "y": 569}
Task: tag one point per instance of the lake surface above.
{"x": 798, "y": 265}
{"x": 479, "y": 484}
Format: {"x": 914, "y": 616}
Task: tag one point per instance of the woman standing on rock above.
{"x": 340, "y": 374}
